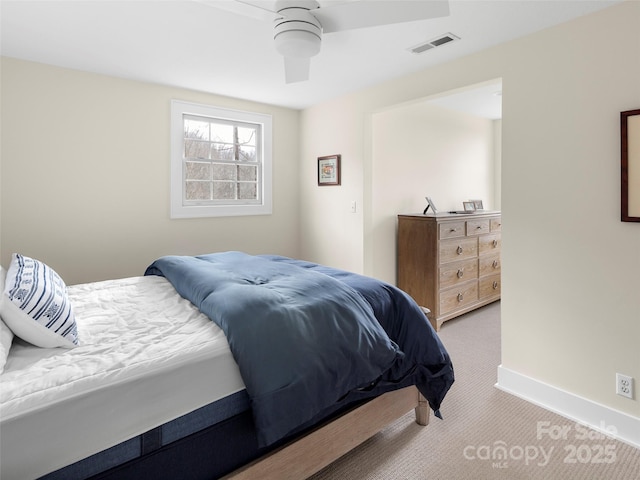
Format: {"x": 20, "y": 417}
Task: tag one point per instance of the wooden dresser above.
{"x": 450, "y": 263}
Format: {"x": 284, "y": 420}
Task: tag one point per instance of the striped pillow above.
{"x": 35, "y": 305}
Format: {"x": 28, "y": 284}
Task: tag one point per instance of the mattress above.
{"x": 146, "y": 356}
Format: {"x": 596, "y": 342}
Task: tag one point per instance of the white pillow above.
{"x": 6, "y": 338}
{"x": 35, "y": 305}
{"x": 6, "y": 335}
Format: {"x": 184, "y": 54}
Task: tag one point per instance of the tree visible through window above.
{"x": 221, "y": 162}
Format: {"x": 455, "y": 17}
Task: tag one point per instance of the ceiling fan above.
{"x": 298, "y": 25}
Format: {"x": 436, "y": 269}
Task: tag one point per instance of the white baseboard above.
{"x": 619, "y": 425}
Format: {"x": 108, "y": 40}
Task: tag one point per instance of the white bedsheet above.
{"x": 146, "y": 356}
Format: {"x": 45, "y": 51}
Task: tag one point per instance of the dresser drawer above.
{"x": 452, "y": 230}
{"x": 489, "y": 286}
{"x": 477, "y": 227}
{"x": 458, "y": 272}
{"x": 496, "y": 225}
{"x": 489, "y": 243}
{"x": 457, "y": 249}
{"x": 458, "y": 297}
{"x": 489, "y": 265}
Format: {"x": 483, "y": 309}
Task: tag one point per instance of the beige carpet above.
{"x": 478, "y": 420}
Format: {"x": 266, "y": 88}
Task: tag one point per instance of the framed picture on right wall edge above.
{"x": 630, "y": 166}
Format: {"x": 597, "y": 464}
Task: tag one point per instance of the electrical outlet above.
{"x": 624, "y": 385}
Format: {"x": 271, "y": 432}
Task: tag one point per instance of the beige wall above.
{"x": 329, "y": 230}
{"x": 85, "y": 175}
{"x": 421, "y": 149}
{"x": 570, "y": 267}
{"x": 396, "y": 179}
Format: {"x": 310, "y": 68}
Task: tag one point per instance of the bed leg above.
{"x": 422, "y": 411}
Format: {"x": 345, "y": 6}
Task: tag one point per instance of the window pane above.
{"x": 198, "y": 171}
{"x": 196, "y": 129}
{"x": 247, "y": 191}
{"x": 246, "y": 136}
{"x": 221, "y": 133}
{"x": 221, "y": 152}
{"x": 224, "y": 190}
{"x": 248, "y": 154}
{"x": 196, "y": 149}
{"x": 198, "y": 190}
{"x": 247, "y": 173}
{"x": 224, "y": 172}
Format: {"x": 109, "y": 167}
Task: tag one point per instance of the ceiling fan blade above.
{"x": 253, "y": 9}
{"x": 296, "y": 69}
{"x": 372, "y": 13}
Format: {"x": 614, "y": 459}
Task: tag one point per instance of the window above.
{"x": 220, "y": 161}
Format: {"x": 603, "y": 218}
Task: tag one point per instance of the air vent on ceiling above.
{"x": 434, "y": 42}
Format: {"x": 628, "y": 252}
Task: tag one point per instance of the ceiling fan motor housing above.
{"x": 298, "y": 34}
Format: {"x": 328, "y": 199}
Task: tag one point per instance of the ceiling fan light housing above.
{"x": 298, "y": 34}
{"x": 297, "y": 44}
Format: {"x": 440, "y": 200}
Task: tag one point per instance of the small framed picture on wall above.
{"x": 329, "y": 170}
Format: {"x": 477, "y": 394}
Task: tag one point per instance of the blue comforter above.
{"x": 308, "y": 338}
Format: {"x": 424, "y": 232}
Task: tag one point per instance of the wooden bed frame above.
{"x": 328, "y": 442}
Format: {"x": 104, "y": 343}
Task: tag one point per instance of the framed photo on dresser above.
{"x": 469, "y": 207}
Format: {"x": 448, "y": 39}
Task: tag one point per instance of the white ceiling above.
{"x": 197, "y": 46}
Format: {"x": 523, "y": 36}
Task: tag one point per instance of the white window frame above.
{"x": 179, "y": 208}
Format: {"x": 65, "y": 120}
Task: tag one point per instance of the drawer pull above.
{"x": 495, "y": 243}
{"x": 460, "y": 272}
{"x": 459, "y": 250}
{"x": 479, "y": 227}
{"x": 460, "y": 297}
{"x": 452, "y": 230}
{"x": 495, "y": 285}
{"x": 495, "y": 264}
